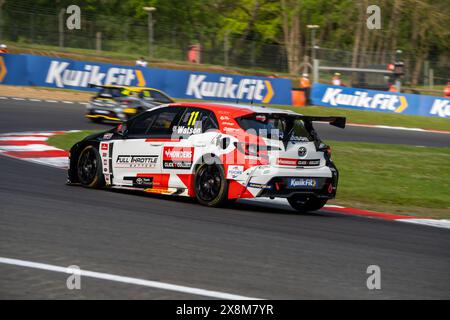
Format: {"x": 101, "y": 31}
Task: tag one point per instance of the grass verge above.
{"x": 66, "y": 141}
{"x": 387, "y": 178}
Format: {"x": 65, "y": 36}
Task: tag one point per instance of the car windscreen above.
{"x": 276, "y": 126}
{"x": 155, "y": 96}
{"x": 113, "y": 92}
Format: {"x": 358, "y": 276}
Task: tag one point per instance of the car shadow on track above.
{"x": 239, "y": 205}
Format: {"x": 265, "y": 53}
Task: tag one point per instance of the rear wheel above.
{"x": 89, "y": 169}
{"x": 211, "y": 186}
{"x": 303, "y": 204}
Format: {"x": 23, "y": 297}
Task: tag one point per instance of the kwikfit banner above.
{"x": 381, "y": 101}
{"x": 71, "y": 74}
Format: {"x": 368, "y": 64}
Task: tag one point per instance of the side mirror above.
{"x": 122, "y": 129}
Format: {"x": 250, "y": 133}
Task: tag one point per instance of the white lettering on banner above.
{"x": 361, "y": 99}
{"x": 441, "y": 108}
{"x": 250, "y": 89}
{"x": 60, "y": 75}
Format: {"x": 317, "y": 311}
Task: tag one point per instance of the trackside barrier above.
{"x": 51, "y": 72}
{"x": 381, "y": 101}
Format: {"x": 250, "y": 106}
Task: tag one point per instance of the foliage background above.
{"x": 268, "y": 34}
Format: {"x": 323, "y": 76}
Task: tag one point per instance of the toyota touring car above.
{"x": 213, "y": 152}
{"x": 115, "y": 103}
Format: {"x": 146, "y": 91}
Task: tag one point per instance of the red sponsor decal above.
{"x": 287, "y": 162}
{"x": 104, "y": 146}
{"x": 178, "y": 153}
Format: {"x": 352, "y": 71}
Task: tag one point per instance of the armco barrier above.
{"x": 72, "y": 74}
{"x": 381, "y": 101}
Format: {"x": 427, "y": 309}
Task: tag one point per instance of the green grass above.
{"x": 387, "y": 178}
{"x": 394, "y": 178}
{"x": 66, "y": 141}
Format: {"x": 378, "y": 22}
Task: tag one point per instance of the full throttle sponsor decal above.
{"x": 298, "y": 162}
{"x": 128, "y": 161}
{"x": 178, "y": 157}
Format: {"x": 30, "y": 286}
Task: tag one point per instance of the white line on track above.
{"x": 20, "y": 99}
{"x": 35, "y": 100}
{"x": 23, "y": 138}
{"x": 128, "y": 280}
{"x": 51, "y": 101}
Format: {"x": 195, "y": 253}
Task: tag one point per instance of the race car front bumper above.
{"x": 276, "y": 182}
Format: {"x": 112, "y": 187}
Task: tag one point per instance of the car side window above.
{"x": 164, "y": 121}
{"x": 139, "y": 126}
{"x": 195, "y": 121}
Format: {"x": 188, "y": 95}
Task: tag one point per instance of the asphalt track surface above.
{"x": 250, "y": 250}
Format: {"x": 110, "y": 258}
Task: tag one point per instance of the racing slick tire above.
{"x": 211, "y": 185}
{"x": 89, "y": 169}
{"x": 306, "y": 205}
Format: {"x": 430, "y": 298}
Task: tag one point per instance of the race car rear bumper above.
{"x": 275, "y": 182}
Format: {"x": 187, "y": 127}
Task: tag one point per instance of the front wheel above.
{"x": 89, "y": 168}
{"x": 211, "y": 186}
{"x": 306, "y": 204}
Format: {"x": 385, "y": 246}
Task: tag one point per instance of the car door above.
{"x": 137, "y": 158}
{"x": 192, "y": 135}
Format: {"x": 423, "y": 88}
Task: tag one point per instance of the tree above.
{"x": 290, "y": 12}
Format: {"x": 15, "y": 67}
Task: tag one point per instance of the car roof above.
{"x": 131, "y": 88}
{"x": 234, "y": 108}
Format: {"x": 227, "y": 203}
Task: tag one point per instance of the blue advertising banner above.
{"x": 13, "y": 70}
{"x": 72, "y": 74}
{"x": 381, "y": 101}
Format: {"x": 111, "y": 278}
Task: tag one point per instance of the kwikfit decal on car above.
{"x": 178, "y": 157}
{"x": 128, "y": 161}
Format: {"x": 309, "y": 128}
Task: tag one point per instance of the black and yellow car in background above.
{"x": 114, "y": 103}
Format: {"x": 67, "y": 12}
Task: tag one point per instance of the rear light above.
{"x": 330, "y": 188}
{"x": 325, "y": 149}
{"x": 328, "y": 151}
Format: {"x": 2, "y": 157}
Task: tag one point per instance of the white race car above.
{"x": 214, "y": 152}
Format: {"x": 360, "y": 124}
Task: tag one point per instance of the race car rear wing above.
{"x": 334, "y": 121}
